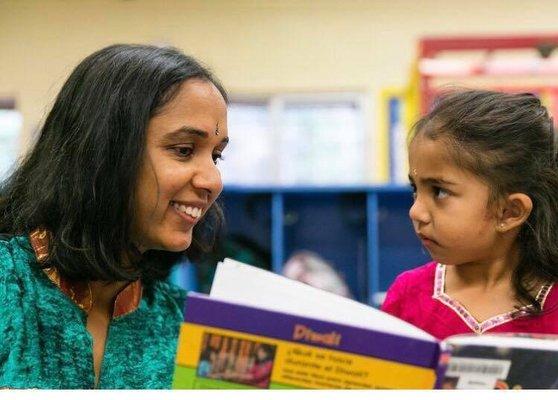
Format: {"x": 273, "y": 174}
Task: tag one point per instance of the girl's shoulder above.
{"x": 419, "y": 276}
{"x": 413, "y": 285}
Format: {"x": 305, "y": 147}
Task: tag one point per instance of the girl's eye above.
{"x": 183, "y": 152}
{"x": 440, "y": 193}
{"x": 414, "y": 189}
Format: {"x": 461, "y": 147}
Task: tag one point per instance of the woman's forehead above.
{"x": 196, "y": 110}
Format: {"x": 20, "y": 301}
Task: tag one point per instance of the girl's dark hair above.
{"x": 78, "y": 181}
{"x": 508, "y": 141}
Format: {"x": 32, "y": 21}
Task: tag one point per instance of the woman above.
{"x": 121, "y": 181}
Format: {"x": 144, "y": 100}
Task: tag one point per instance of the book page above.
{"x": 523, "y": 341}
{"x": 246, "y": 285}
{"x": 500, "y": 361}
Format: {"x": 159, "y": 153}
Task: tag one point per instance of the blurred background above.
{"x": 323, "y": 95}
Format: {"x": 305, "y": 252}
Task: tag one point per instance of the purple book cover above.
{"x": 204, "y": 310}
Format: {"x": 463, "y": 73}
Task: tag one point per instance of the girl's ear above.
{"x": 515, "y": 210}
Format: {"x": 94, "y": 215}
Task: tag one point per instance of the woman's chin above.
{"x": 176, "y": 243}
{"x": 179, "y": 246}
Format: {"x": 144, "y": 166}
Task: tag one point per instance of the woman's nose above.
{"x": 208, "y": 178}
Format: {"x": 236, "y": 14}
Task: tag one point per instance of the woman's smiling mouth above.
{"x": 189, "y": 212}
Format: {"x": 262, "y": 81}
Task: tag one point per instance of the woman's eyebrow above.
{"x": 185, "y": 131}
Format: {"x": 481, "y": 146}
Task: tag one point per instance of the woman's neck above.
{"x": 104, "y": 294}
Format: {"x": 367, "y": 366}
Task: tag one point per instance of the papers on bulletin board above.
{"x": 322, "y": 144}
{"x": 397, "y": 133}
{"x": 10, "y": 129}
{"x": 291, "y": 141}
{"x": 249, "y": 157}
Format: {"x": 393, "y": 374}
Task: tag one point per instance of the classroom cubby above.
{"x": 364, "y": 232}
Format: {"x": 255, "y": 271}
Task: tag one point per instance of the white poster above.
{"x": 10, "y": 129}
{"x": 250, "y": 157}
{"x": 323, "y": 144}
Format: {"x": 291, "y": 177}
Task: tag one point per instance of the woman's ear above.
{"x": 514, "y": 211}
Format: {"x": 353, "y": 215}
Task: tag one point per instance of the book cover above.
{"x": 225, "y": 345}
{"x": 260, "y": 330}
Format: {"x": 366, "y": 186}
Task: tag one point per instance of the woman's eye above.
{"x": 183, "y": 151}
{"x": 217, "y": 157}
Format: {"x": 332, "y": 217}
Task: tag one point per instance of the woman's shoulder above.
{"x": 15, "y": 252}
{"x": 16, "y": 274}
{"x": 165, "y": 295}
{"x": 17, "y": 243}
{"x": 172, "y": 291}
{"x": 15, "y": 278}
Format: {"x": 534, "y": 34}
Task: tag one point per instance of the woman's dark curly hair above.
{"x": 78, "y": 181}
{"x": 508, "y": 141}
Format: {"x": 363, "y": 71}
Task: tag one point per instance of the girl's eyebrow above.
{"x": 432, "y": 181}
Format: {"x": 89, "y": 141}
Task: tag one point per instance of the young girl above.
{"x": 484, "y": 173}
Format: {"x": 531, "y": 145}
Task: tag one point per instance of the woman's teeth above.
{"x": 193, "y": 212}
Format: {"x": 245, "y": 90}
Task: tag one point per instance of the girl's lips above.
{"x": 426, "y": 241}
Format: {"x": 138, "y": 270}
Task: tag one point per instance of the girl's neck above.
{"x": 486, "y": 274}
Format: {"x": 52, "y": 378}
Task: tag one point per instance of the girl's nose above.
{"x": 418, "y": 212}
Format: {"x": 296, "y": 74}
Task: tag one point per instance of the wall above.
{"x": 253, "y": 46}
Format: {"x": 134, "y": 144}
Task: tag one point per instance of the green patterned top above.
{"x": 44, "y": 342}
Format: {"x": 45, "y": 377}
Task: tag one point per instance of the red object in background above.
{"x": 430, "y": 47}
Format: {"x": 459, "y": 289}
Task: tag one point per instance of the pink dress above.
{"x": 417, "y": 296}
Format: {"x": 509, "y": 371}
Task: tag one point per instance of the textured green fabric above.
{"x": 44, "y": 342}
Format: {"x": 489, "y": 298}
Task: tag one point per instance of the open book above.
{"x": 258, "y": 329}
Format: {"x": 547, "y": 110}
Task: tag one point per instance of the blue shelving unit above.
{"x": 365, "y": 232}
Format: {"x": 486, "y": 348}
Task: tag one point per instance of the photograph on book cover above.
{"x": 236, "y": 360}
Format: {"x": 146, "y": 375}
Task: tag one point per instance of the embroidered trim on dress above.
{"x": 126, "y": 301}
{"x": 465, "y": 315}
